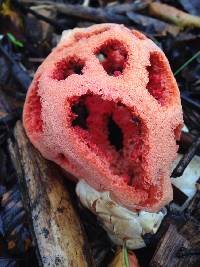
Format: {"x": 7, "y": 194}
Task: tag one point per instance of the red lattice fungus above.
{"x": 104, "y": 106}
{"x": 33, "y": 110}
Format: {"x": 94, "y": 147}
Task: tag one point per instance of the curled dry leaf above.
{"x": 119, "y": 260}
{"x": 121, "y": 224}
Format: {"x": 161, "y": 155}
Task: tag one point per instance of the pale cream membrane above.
{"x": 121, "y": 224}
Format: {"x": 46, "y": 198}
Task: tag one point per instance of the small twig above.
{"x": 19, "y": 74}
{"x": 46, "y": 19}
{"x": 190, "y": 101}
{"x": 123, "y": 8}
{"x": 3, "y": 137}
{"x": 125, "y": 254}
{"x": 178, "y": 171}
{"x": 89, "y": 13}
{"x": 36, "y": 60}
{"x": 95, "y": 14}
{"x": 9, "y": 119}
{"x": 52, "y": 22}
{"x": 187, "y": 63}
{"x": 185, "y": 142}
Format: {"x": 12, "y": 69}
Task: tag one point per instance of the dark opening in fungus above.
{"x": 81, "y": 111}
{"x": 115, "y": 134}
{"x": 67, "y": 67}
{"x": 156, "y": 84}
{"x": 112, "y": 56}
{"x": 110, "y": 129}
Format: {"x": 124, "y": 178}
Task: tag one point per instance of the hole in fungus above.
{"x": 81, "y": 111}
{"x": 156, "y": 85}
{"x": 177, "y": 132}
{"x": 113, "y": 56}
{"x": 112, "y": 131}
{"x": 33, "y": 111}
{"x": 62, "y": 159}
{"x": 67, "y": 67}
{"x": 115, "y": 134}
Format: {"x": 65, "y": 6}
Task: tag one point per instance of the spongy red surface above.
{"x": 104, "y": 106}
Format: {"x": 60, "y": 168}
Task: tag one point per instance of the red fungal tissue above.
{"x": 104, "y": 105}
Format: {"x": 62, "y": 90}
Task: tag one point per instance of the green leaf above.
{"x": 14, "y": 40}
{"x": 125, "y": 253}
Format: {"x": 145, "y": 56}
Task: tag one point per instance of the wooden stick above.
{"x": 193, "y": 207}
{"x": 56, "y": 228}
{"x": 89, "y": 13}
{"x": 127, "y": 7}
{"x": 173, "y": 15}
{"x": 185, "y": 142}
{"x": 183, "y": 163}
{"x": 169, "y": 245}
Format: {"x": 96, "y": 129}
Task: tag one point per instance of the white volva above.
{"x": 121, "y": 224}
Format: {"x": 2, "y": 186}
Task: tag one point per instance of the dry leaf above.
{"x": 119, "y": 260}
{"x": 7, "y": 11}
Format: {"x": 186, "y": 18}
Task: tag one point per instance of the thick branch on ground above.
{"x": 168, "y": 247}
{"x": 89, "y": 13}
{"x": 127, "y": 7}
{"x": 56, "y": 227}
